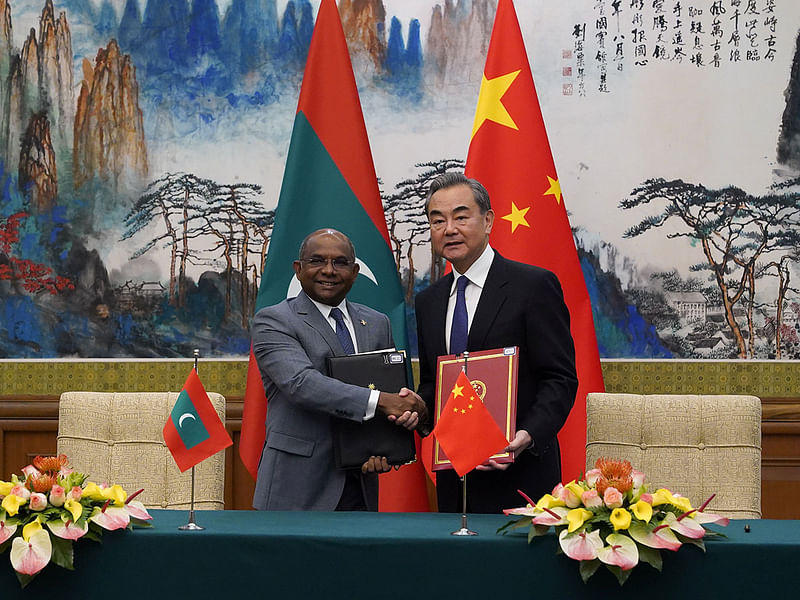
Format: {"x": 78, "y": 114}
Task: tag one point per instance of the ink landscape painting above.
{"x": 143, "y": 142}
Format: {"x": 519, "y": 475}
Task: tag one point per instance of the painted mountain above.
{"x": 112, "y": 242}
{"x": 142, "y": 145}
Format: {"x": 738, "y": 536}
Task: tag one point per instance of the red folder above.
{"x": 493, "y": 374}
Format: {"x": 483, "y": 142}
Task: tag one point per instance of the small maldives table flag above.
{"x": 194, "y": 430}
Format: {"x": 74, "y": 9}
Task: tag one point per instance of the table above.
{"x": 244, "y": 554}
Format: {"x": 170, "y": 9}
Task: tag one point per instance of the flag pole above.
{"x": 464, "y": 530}
{"x": 191, "y": 525}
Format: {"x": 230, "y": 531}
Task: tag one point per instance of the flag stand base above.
{"x": 191, "y": 525}
{"x": 464, "y": 529}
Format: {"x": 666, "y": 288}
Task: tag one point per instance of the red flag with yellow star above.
{"x": 510, "y": 155}
{"x": 466, "y": 431}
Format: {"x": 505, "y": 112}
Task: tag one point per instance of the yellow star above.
{"x": 553, "y": 190}
{"x": 455, "y": 409}
{"x": 457, "y": 391}
{"x": 490, "y": 102}
{"x": 517, "y": 217}
{"x": 463, "y": 411}
{"x": 469, "y": 406}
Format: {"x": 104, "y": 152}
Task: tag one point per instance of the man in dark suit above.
{"x": 498, "y": 303}
{"x": 291, "y": 342}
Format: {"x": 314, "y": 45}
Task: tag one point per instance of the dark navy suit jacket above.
{"x": 520, "y": 305}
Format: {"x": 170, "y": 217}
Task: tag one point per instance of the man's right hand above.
{"x": 394, "y": 405}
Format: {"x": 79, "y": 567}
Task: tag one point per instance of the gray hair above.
{"x": 452, "y": 179}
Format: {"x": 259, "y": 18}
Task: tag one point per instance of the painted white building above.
{"x": 690, "y": 306}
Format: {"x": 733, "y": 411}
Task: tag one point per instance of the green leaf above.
{"x": 7, "y": 544}
{"x": 139, "y": 523}
{"x": 49, "y": 513}
{"x": 91, "y": 535}
{"x": 587, "y": 568}
{"x": 503, "y": 529}
{"x": 710, "y": 533}
{"x": 72, "y": 480}
{"x": 536, "y": 531}
{"x": 693, "y": 541}
{"x": 24, "y": 579}
{"x": 62, "y": 552}
{"x": 622, "y": 576}
{"x": 603, "y": 518}
{"x": 86, "y": 512}
{"x": 651, "y": 556}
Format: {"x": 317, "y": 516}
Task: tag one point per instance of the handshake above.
{"x": 405, "y": 409}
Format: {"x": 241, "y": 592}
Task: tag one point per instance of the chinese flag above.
{"x": 194, "y": 430}
{"x": 329, "y": 181}
{"x": 466, "y": 431}
{"x": 509, "y": 154}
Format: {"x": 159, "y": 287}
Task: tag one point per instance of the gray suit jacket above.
{"x": 291, "y": 341}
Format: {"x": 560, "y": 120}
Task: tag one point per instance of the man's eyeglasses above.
{"x": 317, "y": 262}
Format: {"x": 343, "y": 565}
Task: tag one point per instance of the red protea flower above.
{"x": 614, "y": 473}
{"x": 50, "y": 464}
{"x": 43, "y": 483}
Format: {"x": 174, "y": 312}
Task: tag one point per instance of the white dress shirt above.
{"x": 372, "y": 403}
{"x": 476, "y": 273}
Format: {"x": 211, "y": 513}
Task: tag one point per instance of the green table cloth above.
{"x": 247, "y": 554}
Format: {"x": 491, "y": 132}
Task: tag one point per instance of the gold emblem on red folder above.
{"x": 493, "y": 376}
{"x": 479, "y": 387}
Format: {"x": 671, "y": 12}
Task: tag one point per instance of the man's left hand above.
{"x": 522, "y": 441}
{"x": 376, "y": 464}
{"x": 408, "y": 419}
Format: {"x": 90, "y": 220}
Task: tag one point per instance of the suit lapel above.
{"x": 493, "y": 296}
{"x": 363, "y": 327}
{"x": 310, "y": 314}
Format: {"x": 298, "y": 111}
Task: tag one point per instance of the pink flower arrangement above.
{"x": 610, "y": 518}
{"x": 39, "y": 519}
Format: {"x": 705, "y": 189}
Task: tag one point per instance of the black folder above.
{"x": 354, "y": 443}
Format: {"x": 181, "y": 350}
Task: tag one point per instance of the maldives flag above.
{"x": 466, "y": 431}
{"x": 194, "y": 430}
{"x": 509, "y": 154}
{"x": 329, "y": 181}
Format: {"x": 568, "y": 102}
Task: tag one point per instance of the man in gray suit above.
{"x": 291, "y": 342}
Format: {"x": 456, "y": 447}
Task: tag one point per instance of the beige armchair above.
{"x": 696, "y": 445}
{"x": 116, "y": 438}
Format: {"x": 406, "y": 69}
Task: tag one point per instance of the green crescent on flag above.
{"x": 188, "y": 423}
{"x": 310, "y": 202}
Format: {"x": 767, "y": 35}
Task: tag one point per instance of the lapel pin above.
{"x": 363, "y": 322}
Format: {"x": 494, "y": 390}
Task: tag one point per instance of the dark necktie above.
{"x": 459, "y": 330}
{"x": 342, "y": 333}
